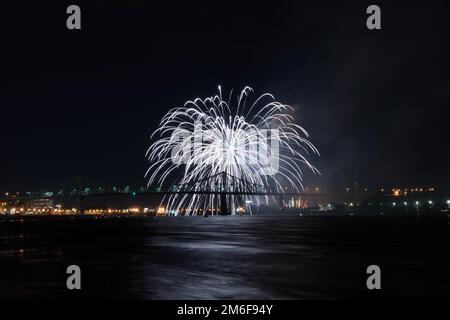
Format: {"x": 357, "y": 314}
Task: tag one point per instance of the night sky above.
{"x": 376, "y": 103}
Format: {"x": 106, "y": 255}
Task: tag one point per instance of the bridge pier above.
{"x": 223, "y": 204}
{"x": 280, "y": 201}
{"x": 80, "y": 204}
{"x": 216, "y": 203}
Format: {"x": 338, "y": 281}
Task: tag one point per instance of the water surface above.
{"x": 267, "y": 257}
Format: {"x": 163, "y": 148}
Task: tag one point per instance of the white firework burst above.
{"x": 216, "y": 147}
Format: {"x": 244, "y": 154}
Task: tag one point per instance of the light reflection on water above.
{"x": 269, "y": 257}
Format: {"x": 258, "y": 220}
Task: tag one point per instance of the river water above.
{"x": 231, "y": 257}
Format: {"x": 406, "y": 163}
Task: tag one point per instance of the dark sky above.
{"x": 376, "y": 103}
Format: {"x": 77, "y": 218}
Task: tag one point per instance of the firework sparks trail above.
{"x": 254, "y": 144}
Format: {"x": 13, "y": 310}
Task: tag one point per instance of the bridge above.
{"x": 221, "y": 185}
